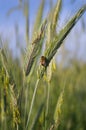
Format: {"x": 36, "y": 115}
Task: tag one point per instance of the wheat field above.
{"x": 36, "y": 93}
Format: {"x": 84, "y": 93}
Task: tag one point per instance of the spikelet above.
{"x": 14, "y": 107}
{"x": 49, "y": 72}
{"x": 58, "y": 110}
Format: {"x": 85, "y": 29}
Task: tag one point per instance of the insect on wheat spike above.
{"x": 44, "y": 61}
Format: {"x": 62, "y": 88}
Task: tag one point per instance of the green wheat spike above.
{"x": 35, "y": 48}
{"x": 58, "y": 40}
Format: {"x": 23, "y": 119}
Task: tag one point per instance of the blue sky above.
{"x": 5, "y": 5}
{"x": 7, "y": 24}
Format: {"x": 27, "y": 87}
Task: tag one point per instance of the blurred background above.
{"x": 70, "y": 60}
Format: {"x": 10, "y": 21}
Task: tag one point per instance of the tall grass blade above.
{"x": 26, "y": 14}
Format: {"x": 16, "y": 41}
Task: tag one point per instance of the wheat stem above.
{"x": 32, "y": 102}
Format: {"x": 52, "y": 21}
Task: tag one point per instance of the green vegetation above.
{"x": 35, "y": 93}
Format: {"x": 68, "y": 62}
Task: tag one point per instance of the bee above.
{"x": 44, "y": 61}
